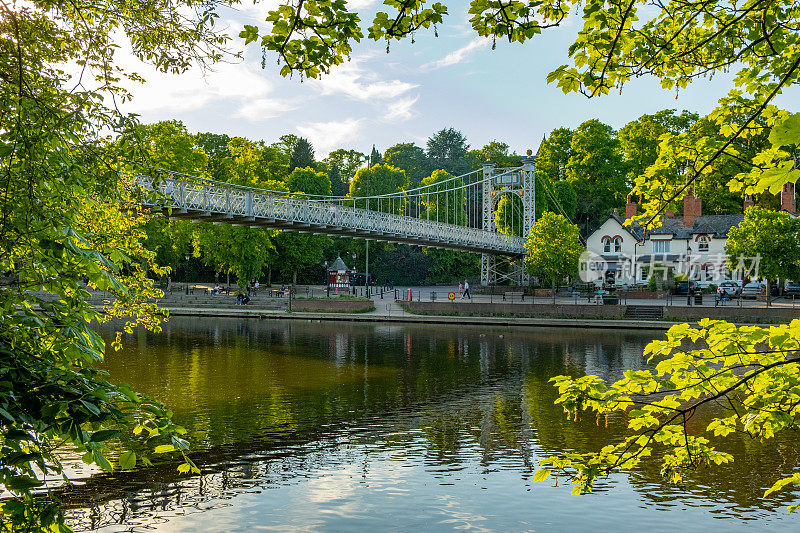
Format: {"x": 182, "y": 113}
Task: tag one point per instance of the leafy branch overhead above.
{"x": 751, "y": 374}
{"x": 676, "y": 42}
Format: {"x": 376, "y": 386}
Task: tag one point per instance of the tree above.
{"x": 410, "y": 158}
{"x": 215, "y": 145}
{"x": 553, "y": 249}
{"x": 771, "y": 237}
{"x": 508, "y": 215}
{"x": 348, "y": 161}
{"x": 596, "y": 171}
{"x": 380, "y": 180}
{"x": 639, "y": 138}
{"x": 302, "y": 155}
{"x": 338, "y": 187}
{"x": 166, "y": 145}
{"x": 447, "y": 150}
{"x": 443, "y": 198}
{"x": 71, "y": 213}
{"x": 309, "y": 181}
{"x": 497, "y": 152}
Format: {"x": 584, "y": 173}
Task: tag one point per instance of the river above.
{"x": 321, "y": 426}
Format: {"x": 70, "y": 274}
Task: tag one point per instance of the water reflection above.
{"x": 344, "y": 426}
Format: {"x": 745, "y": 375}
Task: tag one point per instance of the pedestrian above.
{"x": 169, "y": 283}
{"x": 466, "y": 291}
{"x": 460, "y": 290}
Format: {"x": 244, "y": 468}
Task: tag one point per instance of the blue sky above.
{"x": 455, "y": 80}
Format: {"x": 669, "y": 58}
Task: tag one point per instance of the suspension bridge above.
{"x": 459, "y": 213}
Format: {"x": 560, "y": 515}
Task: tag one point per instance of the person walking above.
{"x": 460, "y": 290}
{"x": 466, "y": 291}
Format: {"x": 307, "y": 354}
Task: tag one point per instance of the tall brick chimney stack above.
{"x": 748, "y": 201}
{"x": 692, "y": 208}
{"x": 788, "y": 202}
{"x": 630, "y": 207}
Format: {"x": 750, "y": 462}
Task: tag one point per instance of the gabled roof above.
{"x": 338, "y": 265}
{"x": 716, "y": 225}
{"x": 634, "y": 229}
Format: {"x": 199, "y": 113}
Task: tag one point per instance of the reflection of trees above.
{"x": 741, "y": 483}
{"x": 266, "y": 401}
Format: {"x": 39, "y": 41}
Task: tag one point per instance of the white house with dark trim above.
{"x": 692, "y": 243}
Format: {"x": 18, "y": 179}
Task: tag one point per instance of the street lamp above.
{"x": 327, "y": 279}
{"x": 187, "y": 273}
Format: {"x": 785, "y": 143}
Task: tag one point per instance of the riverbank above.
{"x": 245, "y": 312}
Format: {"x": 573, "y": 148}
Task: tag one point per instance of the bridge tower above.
{"x": 497, "y": 183}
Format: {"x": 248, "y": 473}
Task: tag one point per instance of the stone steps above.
{"x": 644, "y": 312}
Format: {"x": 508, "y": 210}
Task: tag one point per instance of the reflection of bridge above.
{"x": 457, "y": 214}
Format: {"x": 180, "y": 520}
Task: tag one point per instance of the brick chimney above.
{"x": 788, "y": 202}
{"x": 692, "y": 208}
{"x": 630, "y": 207}
{"x": 748, "y": 201}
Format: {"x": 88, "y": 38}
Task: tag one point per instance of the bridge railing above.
{"x": 266, "y": 208}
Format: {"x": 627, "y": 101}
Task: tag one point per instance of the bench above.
{"x": 511, "y": 295}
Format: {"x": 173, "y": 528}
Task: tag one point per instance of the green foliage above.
{"x": 749, "y": 372}
{"x": 441, "y": 203}
{"x": 69, "y": 213}
{"x": 380, "y": 180}
{"x": 553, "y": 249}
{"x": 596, "y": 171}
{"x": 447, "y": 150}
{"x": 410, "y": 158}
{"x": 639, "y": 138}
{"x": 348, "y": 161}
{"x": 508, "y": 215}
{"x": 309, "y": 181}
{"x": 771, "y": 237}
{"x": 302, "y": 155}
{"x": 497, "y": 152}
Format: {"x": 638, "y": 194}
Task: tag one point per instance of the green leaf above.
{"x": 541, "y": 474}
{"x": 164, "y": 448}
{"x": 104, "y": 435}
{"x": 786, "y": 132}
{"x": 127, "y": 460}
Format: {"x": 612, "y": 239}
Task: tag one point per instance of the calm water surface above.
{"x": 369, "y": 427}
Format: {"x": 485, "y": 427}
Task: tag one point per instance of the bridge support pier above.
{"x": 488, "y": 269}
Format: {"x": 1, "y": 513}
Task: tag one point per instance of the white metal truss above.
{"x": 521, "y": 181}
{"x": 215, "y": 202}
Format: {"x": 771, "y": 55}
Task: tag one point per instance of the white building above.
{"x": 692, "y": 244}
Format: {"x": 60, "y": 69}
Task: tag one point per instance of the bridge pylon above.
{"x": 497, "y": 183}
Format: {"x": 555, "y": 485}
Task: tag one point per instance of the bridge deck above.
{"x": 246, "y": 207}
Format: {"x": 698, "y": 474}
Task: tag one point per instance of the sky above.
{"x": 453, "y": 80}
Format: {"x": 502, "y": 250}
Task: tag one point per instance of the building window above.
{"x": 661, "y": 247}
{"x": 702, "y": 244}
{"x": 606, "y": 244}
{"x": 617, "y": 244}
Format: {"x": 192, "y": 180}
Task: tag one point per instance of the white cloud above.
{"x": 400, "y": 110}
{"x": 460, "y": 55}
{"x": 327, "y": 136}
{"x": 261, "y": 108}
{"x": 241, "y": 86}
{"x": 351, "y": 80}
{"x": 359, "y": 4}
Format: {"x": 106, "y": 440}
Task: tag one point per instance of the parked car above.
{"x": 791, "y": 288}
{"x": 753, "y": 289}
{"x": 730, "y": 289}
{"x": 684, "y": 287}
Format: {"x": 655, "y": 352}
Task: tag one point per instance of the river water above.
{"x": 302, "y": 425}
